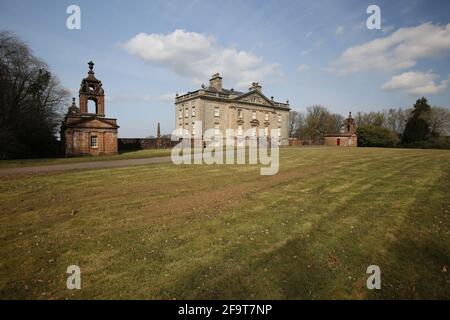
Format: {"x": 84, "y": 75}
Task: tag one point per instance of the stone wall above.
{"x": 305, "y": 142}
{"x": 77, "y": 142}
{"x": 132, "y": 144}
{"x": 344, "y": 141}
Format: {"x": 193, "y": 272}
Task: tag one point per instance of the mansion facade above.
{"x": 220, "y": 109}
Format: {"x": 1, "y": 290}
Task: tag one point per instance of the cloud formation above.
{"x": 198, "y": 56}
{"x": 303, "y": 67}
{"x": 339, "y": 30}
{"x": 399, "y": 50}
{"x": 305, "y": 52}
{"x": 417, "y": 83}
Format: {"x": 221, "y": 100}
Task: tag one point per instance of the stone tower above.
{"x": 350, "y": 125}
{"x": 91, "y": 90}
{"x": 89, "y": 133}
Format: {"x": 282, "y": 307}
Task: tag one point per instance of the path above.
{"x": 81, "y": 165}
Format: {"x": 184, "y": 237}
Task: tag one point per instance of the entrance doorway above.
{"x": 338, "y": 141}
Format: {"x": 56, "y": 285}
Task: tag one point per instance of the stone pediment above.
{"x": 94, "y": 122}
{"x": 255, "y": 97}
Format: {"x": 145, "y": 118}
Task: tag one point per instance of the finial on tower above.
{"x": 73, "y": 109}
{"x": 91, "y": 66}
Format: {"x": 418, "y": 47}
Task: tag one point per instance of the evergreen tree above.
{"x": 418, "y": 128}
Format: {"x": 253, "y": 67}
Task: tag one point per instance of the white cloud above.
{"x": 417, "y": 83}
{"x": 399, "y": 50}
{"x": 339, "y": 30}
{"x": 387, "y": 29}
{"x": 360, "y": 26}
{"x": 303, "y": 67}
{"x": 305, "y": 52}
{"x": 198, "y": 56}
{"x": 309, "y": 34}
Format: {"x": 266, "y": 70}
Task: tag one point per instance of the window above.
{"x": 279, "y": 133}
{"x": 216, "y": 112}
{"x": 216, "y": 129}
{"x": 186, "y": 114}
{"x": 216, "y": 138}
{"x": 266, "y": 131}
{"x": 266, "y": 117}
{"x": 240, "y": 131}
{"x": 240, "y": 113}
{"x": 279, "y": 118}
{"x": 94, "y": 142}
{"x": 193, "y": 128}
{"x": 193, "y": 111}
{"x": 253, "y": 115}
{"x": 254, "y": 132}
{"x": 180, "y": 113}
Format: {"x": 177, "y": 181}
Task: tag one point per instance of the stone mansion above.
{"x": 223, "y": 109}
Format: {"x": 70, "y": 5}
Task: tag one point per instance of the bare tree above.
{"x": 31, "y": 99}
{"x": 337, "y": 122}
{"x": 295, "y": 123}
{"x": 392, "y": 119}
{"x": 319, "y": 121}
{"x": 439, "y": 121}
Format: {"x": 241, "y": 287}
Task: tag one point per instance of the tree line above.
{"x": 420, "y": 126}
{"x": 31, "y": 101}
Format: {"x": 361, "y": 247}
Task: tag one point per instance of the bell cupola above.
{"x": 91, "y": 90}
{"x": 350, "y": 125}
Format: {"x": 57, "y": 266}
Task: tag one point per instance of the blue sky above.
{"x": 310, "y": 52}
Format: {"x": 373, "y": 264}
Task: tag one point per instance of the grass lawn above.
{"x": 165, "y": 231}
{"x": 150, "y": 153}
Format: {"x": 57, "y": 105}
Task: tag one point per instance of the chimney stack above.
{"x": 216, "y": 82}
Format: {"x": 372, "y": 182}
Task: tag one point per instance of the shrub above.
{"x": 374, "y": 136}
{"x": 432, "y": 143}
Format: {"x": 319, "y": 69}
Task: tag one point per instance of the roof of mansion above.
{"x": 231, "y": 95}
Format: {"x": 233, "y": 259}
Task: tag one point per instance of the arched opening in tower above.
{"x": 92, "y": 106}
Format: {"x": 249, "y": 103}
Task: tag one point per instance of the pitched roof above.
{"x": 226, "y": 91}
{"x": 84, "y": 119}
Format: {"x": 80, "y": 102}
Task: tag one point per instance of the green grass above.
{"x": 150, "y": 153}
{"x": 166, "y": 231}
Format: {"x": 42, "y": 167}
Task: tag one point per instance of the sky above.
{"x": 317, "y": 52}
